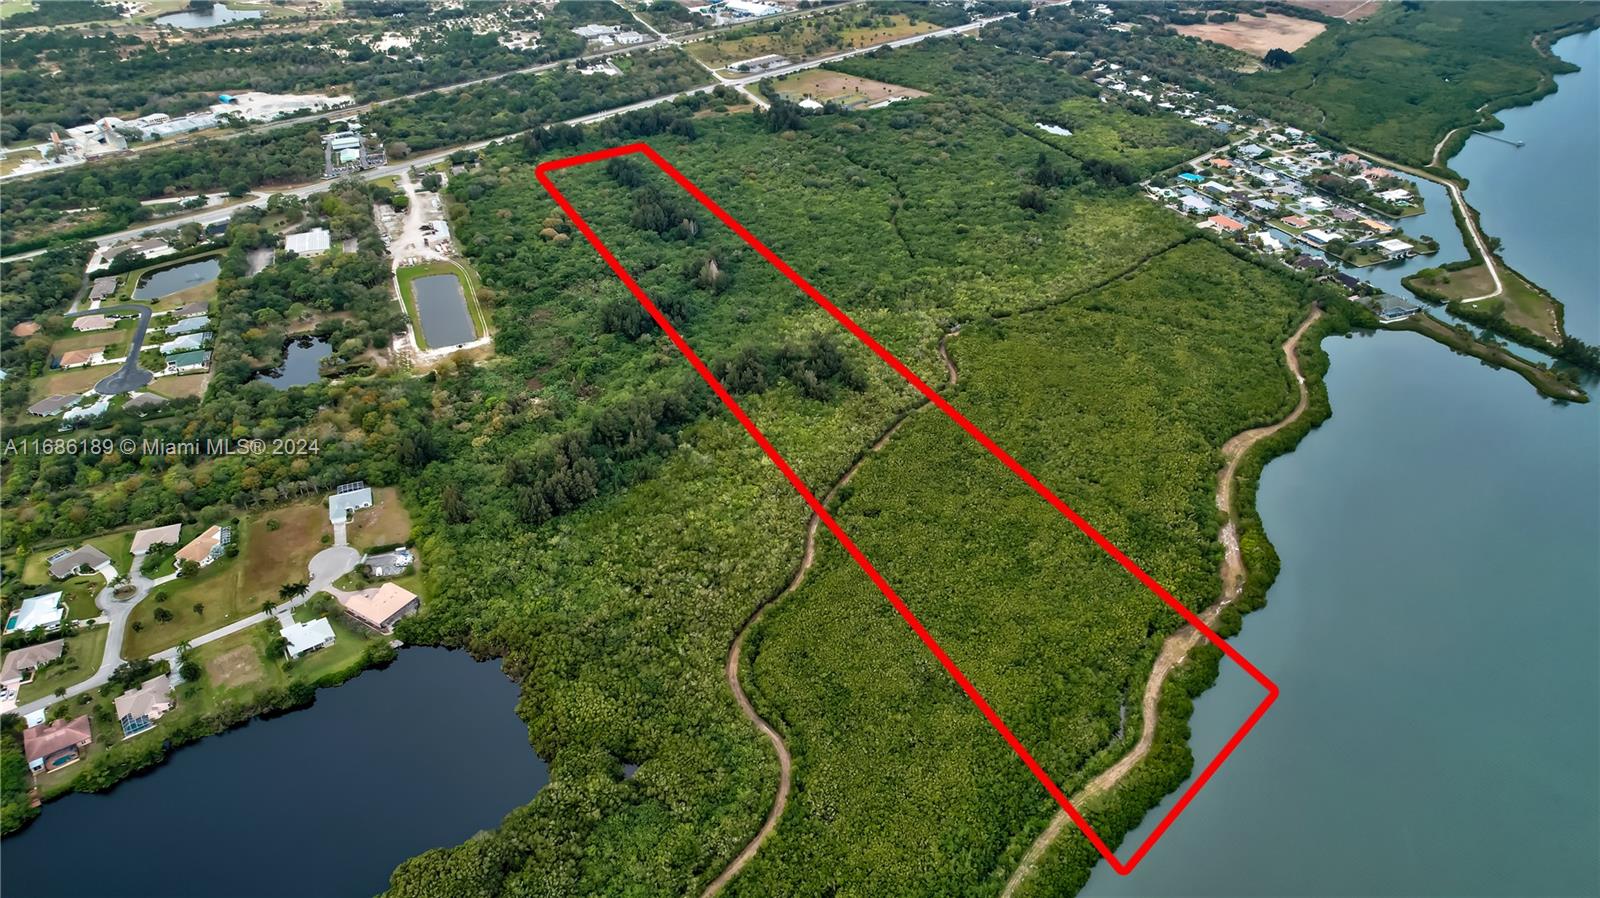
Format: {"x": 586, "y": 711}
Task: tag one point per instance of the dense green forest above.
{"x": 118, "y": 73}
{"x": 600, "y": 523}
{"x": 294, "y": 154}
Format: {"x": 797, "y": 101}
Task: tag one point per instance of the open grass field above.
{"x": 1255, "y": 36}
{"x": 1520, "y": 304}
{"x": 386, "y": 523}
{"x": 113, "y": 341}
{"x": 180, "y": 386}
{"x": 824, "y": 86}
{"x": 807, "y": 37}
{"x": 77, "y": 380}
{"x": 273, "y": 557}
{"x": 84, "y": 651}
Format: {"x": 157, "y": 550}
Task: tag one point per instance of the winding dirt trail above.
{"x": 807, "y": 556}
{"x": 1178, "y": 645}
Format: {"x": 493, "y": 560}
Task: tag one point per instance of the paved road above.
{"x": 130, "y": 376}
{"x": 327, "y": 566}
{"x": 204, "y": 218}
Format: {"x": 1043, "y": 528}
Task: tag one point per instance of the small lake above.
{"x": 443, "y": 309}
{"x": 325, "y": 801}
{"x": 168, "y": 281}
{"x": 1543, "y": 199}
{"x": 218, "y": 14}
{"x": 302, "y": 360}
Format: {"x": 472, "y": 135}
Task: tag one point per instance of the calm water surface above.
{"x": 1543, "y": 199}
{"x": 168, "y": 281}
{"x": 302, "y": 360}
{"x": 325, "y": 801}
{"x": 1436, "y": 624}
{"x": 219, "y": 14}
{"x": 443, "y": 309}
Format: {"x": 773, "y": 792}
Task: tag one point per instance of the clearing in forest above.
{"x": 824, "y": 86}
{"x": 1249, "y": 34}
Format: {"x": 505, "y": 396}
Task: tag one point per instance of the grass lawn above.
{"x": 82, "y": 659}
{"x": 181, "y": 386}
{"x": 239, "y": 665}
{"x": 80, "y": 593}
{"x": 1521, "y": 303}
{"x": 119, "y": 546}
{"x": 206, "y": 292}
{"x": 114, "y": 341}
{"x": 232, "y": 588}
{"x": 386, "y": 523}
{"x": 77, "y": 380}
{"x": 469, "y": 290}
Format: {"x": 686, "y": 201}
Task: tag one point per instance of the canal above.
{"x": 324, "y": 801}
{"x": 1434, "y": 629}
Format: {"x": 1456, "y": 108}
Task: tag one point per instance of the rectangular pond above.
{"x": 442, "y": 307}
{"x": 167, "y": 281}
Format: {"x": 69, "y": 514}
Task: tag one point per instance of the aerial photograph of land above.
{"x": 813, "y": 448}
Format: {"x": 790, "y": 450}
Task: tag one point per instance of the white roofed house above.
{"x": 185, "y": 343}
{"x": 1398, "y": 196}
{"x": 314, "y": 242}
{"x": 347, "y": 499}
{"x": 43, "y": 611}
{"x": 307, "y": 637}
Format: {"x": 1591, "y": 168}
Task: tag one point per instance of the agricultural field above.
{"x": 1256, "y": 35}
{"x": 826, "y": 86}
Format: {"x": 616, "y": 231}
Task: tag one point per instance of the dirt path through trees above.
{"x": 807, "y": 556}
{"x": 1178, "y": 645}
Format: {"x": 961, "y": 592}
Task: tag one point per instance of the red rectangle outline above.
{"x": 542, "y": 172}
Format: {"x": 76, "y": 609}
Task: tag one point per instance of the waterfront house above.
{"x": 194, "y": 360}
{"x": 1397, "y": 196}
{"x": 21, "y": 663}
{"x": 1319, "y": 237}
{"x": 1310, "y": 263}
{"x": 381, "y": 607}
{"x": 54, "y": 745}
{"x": 1194, "y": 204}
{"x": 69, "y": 562}
{"x": 189, "y": 310}
{"x": 150, "y": 537}
{"x": 1223, "y": 224}
{"x": 307, "y": 637}
{"x": 1297, "y": 222}
{"x": 139, "y": 709}
{"x": 207, "y": 547}
{"x": 1396, "y": 249}
{"x": 1377, "y": 227}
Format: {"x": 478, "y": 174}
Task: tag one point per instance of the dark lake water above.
{"x": 302, "y": 358}
{"x": 443, "y": 309}
{"x": 325, "y": 801}
{"x": 168, "y": 281}
{"x": 1543, "y": 199}
{"x": 1434, "y": 629}
{"x": 219, "y": 14}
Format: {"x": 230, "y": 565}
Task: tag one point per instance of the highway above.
{"x": 204, "y": 217}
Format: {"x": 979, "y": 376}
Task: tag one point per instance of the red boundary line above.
{"x": 543, "y": 174}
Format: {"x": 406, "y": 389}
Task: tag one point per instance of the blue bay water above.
{"x": 1435, "y": 629}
